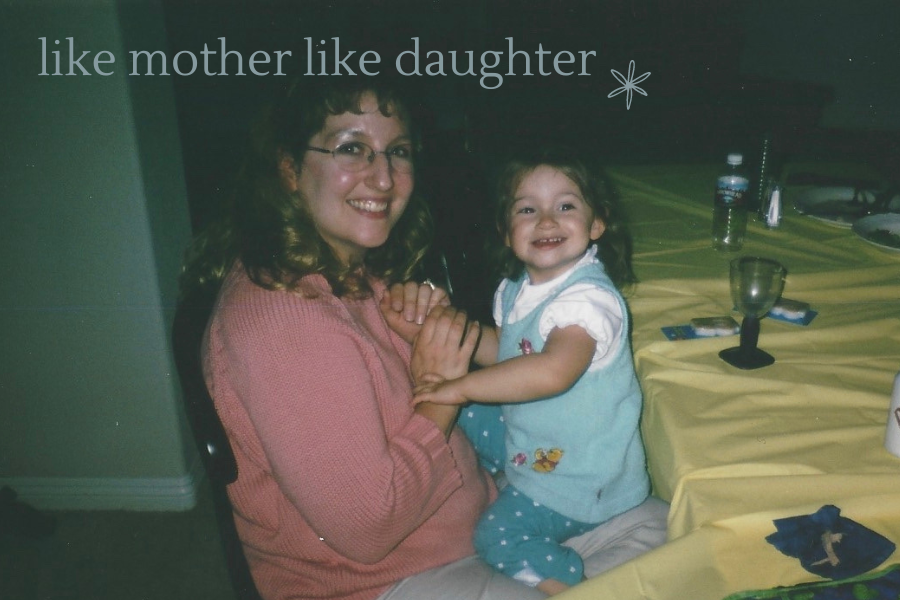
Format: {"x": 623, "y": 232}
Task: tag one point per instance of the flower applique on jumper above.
{"x": 546, "y": 461}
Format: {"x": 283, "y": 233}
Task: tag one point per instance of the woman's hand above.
{"x": 444, "y": 345}
{"x": 442, "y": 350}
{"x": 405, "y": 306}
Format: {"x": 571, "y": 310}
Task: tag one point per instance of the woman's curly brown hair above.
{"x": 270, "y": 231}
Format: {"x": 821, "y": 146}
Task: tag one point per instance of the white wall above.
{"x": 93, "y": 221}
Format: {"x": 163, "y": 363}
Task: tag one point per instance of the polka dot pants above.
{"x": 516, "y": 535}
{"x": 522, "y": 539}
{"x": 483, "y": 425}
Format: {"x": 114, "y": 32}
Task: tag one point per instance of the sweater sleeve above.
{"x": 332, "y": 410}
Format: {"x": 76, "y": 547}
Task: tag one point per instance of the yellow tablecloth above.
{"x": 730, "y": 449}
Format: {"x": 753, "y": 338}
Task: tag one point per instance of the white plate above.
{"x": 866, "y": 227}
{"x": 834, "y": 205}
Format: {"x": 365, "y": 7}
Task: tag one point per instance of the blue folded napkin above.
{"x": 829, "y": 545}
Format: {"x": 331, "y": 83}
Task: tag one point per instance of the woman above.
{"x": 344, "y": 489}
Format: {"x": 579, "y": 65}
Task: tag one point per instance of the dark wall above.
{"x": 706, "y": 95}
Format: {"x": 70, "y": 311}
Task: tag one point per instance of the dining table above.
{"x": 734, "y": 450}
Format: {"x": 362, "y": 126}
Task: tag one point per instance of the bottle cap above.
{"x": 735, "y": 159}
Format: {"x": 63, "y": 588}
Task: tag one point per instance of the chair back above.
{"x": 191, "y": 316}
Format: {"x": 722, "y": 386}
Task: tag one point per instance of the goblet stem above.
{"x": 747, "y": 355}
{"x": 749, "y": 335}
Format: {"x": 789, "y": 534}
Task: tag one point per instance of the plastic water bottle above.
{"x": 729, "y": 207}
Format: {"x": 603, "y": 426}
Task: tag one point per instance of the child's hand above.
{"x": 405, "y": 306}
{"x": 439, "y": 392}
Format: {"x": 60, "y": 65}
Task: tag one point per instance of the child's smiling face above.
{"x": 550, "y": 224}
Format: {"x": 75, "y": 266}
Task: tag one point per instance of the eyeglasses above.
{"x": 357, "y": 156}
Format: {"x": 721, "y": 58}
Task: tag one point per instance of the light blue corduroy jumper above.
{"x": 578, "y": 453}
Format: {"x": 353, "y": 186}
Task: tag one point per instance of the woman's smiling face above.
{"x": 353, "y": 211}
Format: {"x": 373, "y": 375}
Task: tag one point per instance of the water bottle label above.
{"x": 731, "y": 190}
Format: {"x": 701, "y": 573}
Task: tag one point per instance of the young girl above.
{"x": 559, "y": 363}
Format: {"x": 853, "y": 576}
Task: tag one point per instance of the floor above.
{"x": 118, "y": 555}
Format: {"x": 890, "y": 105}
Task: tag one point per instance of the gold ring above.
{"x": 429, "y": 283}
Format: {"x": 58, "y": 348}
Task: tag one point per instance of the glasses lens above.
{"x": 352, "y": 156}
{"x": 401, "y": 158}
{"x": 356, "y": 156}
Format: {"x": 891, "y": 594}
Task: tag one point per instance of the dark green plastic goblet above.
{"x": 756, "y": 284}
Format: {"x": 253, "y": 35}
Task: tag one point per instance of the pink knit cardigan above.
{"x": 342, "y": 489}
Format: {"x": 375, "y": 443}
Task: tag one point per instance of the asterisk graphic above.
{"x": 629, "y": 84}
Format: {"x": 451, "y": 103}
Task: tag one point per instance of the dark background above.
{"x": 822, "y": 76}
